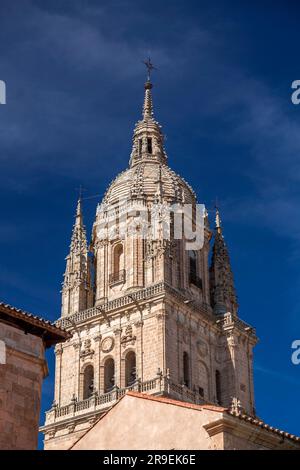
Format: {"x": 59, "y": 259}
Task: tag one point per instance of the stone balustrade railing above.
{"x": 120, "y": 302}
{"x": 157, "y": 386}
{"x": 126, "y": 300}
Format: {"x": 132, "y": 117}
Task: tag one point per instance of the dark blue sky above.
{"x": 222, "y": 93}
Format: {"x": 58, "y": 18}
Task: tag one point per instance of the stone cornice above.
{"x": 113, "y": 306}
{"x": 242, "y": 426}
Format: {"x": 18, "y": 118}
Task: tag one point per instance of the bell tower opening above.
{"x": 130, "y": 369}
{"x": 186, "y": 369}
{"x": 109, "y": 375}
{"x": 88, "y": 382}
{"x": 218, "y": 387}
{"x": 149, "y": 145}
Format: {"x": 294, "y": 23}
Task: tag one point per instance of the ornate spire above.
{"x": 148, "y": 139}
{"x": 78, "y": 240}
{"x": 148, "y": 104}
{"x": 223, "y": 295}
{"x": 218, "y": 222}
{"x": 77, "y": 292}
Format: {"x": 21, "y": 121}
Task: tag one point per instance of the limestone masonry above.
{"x": 23, "y": 340}
{"x": 148, "y": 315}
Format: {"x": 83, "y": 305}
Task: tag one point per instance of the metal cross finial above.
{"x": 149, "y": 67}
{"x": 80, "y": 191}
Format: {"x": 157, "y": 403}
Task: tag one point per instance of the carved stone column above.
{"x": 101, "y": 269}
{"x": 77, "y": 348}
{"x": 140, "y": 349}
{"x": 117, "y": 356}
{"x": 58, "y": 366}
{"x": 161, "y": 339}
{"x": 234, "y": 379}
{"x": 97, "y": 340}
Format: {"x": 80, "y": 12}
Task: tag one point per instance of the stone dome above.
{"x": 148, "y": 177}
{"x": 146, "y": 180}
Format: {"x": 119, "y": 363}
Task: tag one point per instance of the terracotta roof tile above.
{"x": 171, "y": 401}
{"x": 258, "y": 422}
{"x": 33, "y": 324}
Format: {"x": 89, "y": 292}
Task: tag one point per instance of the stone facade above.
{"x": 22, "y": 369}
{"x": 156, "y": 317}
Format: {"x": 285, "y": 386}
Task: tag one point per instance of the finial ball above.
{"x": 148, "y": 85}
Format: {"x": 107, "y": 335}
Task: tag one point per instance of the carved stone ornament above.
{"x": 97, "y": 338}
{"x": 51, "y": 433}
{"x": 58, "y": 350}
{"x": 202, "y": 348}
{"x": 71, "y": 428}
{"x": 236, "y": 407}
{"x": 87, "y": 351}
{"x": 93, "y": 420}
{"x": 128, "y": 337}
{"x": 107, "y": 344}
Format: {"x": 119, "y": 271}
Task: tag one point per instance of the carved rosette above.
{"x": 107, "y": 344}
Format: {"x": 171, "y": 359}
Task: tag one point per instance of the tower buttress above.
{"x": 77, "y": 291}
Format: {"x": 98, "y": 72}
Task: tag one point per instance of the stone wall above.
{"x": 93, "y": 343}
{"x": 20, "y": 388}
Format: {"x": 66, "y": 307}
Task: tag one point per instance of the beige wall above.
{"x": 139, "y": 423}
{"x": 136, "y": 423}
{"x": 20, "y": 388}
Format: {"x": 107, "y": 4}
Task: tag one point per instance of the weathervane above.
{"x": 149, "y": 67}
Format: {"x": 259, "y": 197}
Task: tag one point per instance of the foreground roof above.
{"x": 32, "y": 324}
{"x": 249, "y": 419}
{"x": 219, "y": 409}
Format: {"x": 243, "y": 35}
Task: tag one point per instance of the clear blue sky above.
{"x": 222, "y": 93}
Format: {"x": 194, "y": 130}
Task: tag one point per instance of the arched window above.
{"x": 130, "y": 369}
{"x": 140, "y": 147}
{"x": 149, "y": 145}
{"x": 118, "y": 258}
{"x": 186, "y": 369}
{"x": 218, "y": 387}
{"x": 88, "y": 382}
{"x": 118, "y": 272}
{"x": 193, "y": 272}
{"x": 109, "y": 375}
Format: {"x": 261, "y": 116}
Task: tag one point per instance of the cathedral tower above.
{"x": 157, "y": 318}
{"x": 77, "y": 291}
